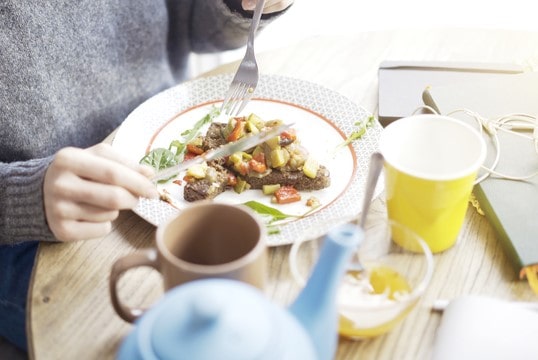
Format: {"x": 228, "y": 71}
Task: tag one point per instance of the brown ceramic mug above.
{"x": 205, "y": 240}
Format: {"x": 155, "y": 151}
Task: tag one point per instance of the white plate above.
{"x": 323, "y": 119}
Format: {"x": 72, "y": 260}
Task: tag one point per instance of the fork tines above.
{"x": 237, "y": 98}
{"x": 246, "y": 76}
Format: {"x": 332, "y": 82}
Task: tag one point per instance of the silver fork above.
{"x": 246, "y": 78}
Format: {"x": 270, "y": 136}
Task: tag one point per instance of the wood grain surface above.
{"x": 70, "y": 313}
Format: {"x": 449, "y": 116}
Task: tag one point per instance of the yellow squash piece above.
{"x": 311, "y": 167}
{"x": 198, "y": 171}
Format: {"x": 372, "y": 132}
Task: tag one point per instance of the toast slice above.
{"x": 225, "y": 173}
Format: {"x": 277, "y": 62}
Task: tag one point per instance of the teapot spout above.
{"x": 315, "y": 307}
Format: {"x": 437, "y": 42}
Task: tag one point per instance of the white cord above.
{"x": 427, "y": 107}
{"x": 510, "y": 124}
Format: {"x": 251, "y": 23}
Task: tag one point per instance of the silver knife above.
{"x": 242, "y": 144}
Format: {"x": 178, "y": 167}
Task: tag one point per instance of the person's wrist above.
{"x": 236, "y": 7}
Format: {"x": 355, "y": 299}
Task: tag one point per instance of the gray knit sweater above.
{"x": 71, "y": 71}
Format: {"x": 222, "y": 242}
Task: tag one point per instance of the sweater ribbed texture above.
{"x": 71, "y": 72}
{"x": 21, "y": 214}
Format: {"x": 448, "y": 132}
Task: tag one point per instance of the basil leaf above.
{"x": 189, "y": 135}
{"x": 178, "y": 146}
{"x": 355, "y": 135}
{"x": 159, "y": 159}
{"x": 267, "y": 211}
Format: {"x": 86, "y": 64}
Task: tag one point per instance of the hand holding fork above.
{"x": 246, "y": 78}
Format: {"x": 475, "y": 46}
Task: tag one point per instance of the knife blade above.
{"x": 242, "y": 144}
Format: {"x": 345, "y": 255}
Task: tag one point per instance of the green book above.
{"x": 510, "y": 206}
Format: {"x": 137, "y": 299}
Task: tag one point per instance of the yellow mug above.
{"x": 431, "y": 163}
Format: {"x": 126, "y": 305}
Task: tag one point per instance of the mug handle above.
{"x": 142, "y": 258}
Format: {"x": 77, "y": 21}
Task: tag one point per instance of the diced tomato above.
{"x": 286, "y": 195}
{"x": 188, "y": 178}
{"x": 195, "y": 149}
{"x": 289, "y": 134}
{"x": 242, "y": 168}
{"x": 232, "y": 179}
{"x": 189, "y": 155}
{"x": 257, "y": 166}
{"x": 260, "y": 157}
{"x": 238, "y": 131}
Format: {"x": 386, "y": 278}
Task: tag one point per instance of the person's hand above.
{"x": 270, "y": 6}
{"x": 84, "y": 189}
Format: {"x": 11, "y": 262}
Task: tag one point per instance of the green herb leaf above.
{"x": 355, "y": 135}
{"x": 177, "y": 147}
{"x": 273, "y": 215}
{"x": 267, "y": 211}
{"x": 273, "y": 230}
{"x": 159, "y": 159}
{"x": 189, "y": 135}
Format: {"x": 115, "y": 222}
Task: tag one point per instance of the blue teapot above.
{"x": 227, "y": 319}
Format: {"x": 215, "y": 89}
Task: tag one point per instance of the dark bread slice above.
{"x": 214, "y": 136}
{"x": 205, "y": 189}
{"x": 297, "y": 179}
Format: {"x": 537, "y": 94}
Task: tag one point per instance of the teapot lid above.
{"x": 206, "y": 319}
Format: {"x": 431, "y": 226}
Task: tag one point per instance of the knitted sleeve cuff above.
{"x": 22, "y": 214}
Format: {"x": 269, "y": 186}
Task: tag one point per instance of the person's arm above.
{"x": 270, "y": 8}
{"x": 21, "y": 193}
{"x": 217, "y": 25}
{"x": 84, "y": 189}
{"x": 73, "y": 195}
{"x": 208, "y": 26}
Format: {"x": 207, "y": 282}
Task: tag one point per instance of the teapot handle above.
{"x": 143, "y": 258}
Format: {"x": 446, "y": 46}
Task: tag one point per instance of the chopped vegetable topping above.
{"x": 198, "y": 171}
{"x": 286, "y": 195}
{"x": 195, "y": 149}
{"x": 267, "y": 166}
{"x": 238, "y": 131}
{"x": 311, "y": 167}
{"x": 313, "y": 202}
{"x": 270, "y": 189}
{"x": 241, "y": 186}
{"x": 287, "y": 137}
{"x": 232, "y": 179}
{"x": 257, "y": 166}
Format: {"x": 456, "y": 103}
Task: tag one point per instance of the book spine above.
{"x": 500, "y": 232}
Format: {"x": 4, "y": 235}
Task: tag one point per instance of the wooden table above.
{"x": 70, "y": 313}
